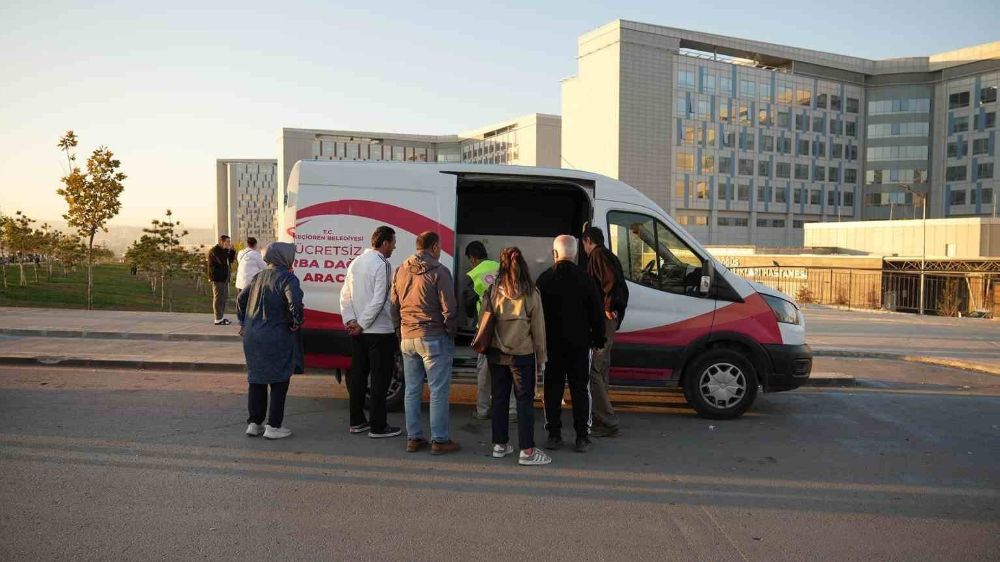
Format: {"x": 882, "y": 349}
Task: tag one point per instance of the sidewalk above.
{"x": 191, "y": 342}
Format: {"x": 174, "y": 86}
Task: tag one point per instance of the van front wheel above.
{"x": 721, "y": 384}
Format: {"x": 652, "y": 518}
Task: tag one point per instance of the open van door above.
{"x": 338, "y": 206}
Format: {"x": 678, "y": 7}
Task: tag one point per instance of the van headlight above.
{"x": 784, "y": 311}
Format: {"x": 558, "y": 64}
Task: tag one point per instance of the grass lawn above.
{"x": 115, "y": 288}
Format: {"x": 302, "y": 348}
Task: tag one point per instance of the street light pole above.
{"x": 923, "y": 255}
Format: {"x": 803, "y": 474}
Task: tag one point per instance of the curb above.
{"x": 937, "y": 361}
{"x": 124, "y": 364}
{"x": 116, "y": 335}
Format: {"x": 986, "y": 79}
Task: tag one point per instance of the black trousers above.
{"x": 257, "y": 403}
{"x": 572, "y": 367}
{"x": 521, "y": 376}
{"x": 372, "y": 356}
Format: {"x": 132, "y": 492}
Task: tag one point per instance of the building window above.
{"x": 988, "y": 94}
{"x": 764, "y": 117}
{"x": 784, "y": 119}
{"x": 725, "y": 85}
{"x": 797, "y": 196}
{"x": 836, "y": 127}
{"x": 803, "y": 97}
{"x": 877, "y": 153}
{"x": 815, "y": 197}
{"x": 819, "y": 173}
{"x": 957, "y": 197}
{"x": 987, "y": 196}
{"x": 763, "y": 168}
{"x": 679, "y": 189}
{"x": 801, "y": 171}
{"x": 819, "y": 149}
{"x": 724, "y": 111}
{"x": 989, "y": 121}
{"x": 725, "y": 164}
{"x": 851, "y": 128}
{"x": 984, "y": 171}
{"x": 746, "y": 141}
{"x": 765, "y": 92}
{"x": 831, "y": 198}
{"x": 955, "y": 173}
{"x": 848, "y": 198}
{"x": 953, "y": 151}
{"x": 762, "y": 194}
{"x": 685, "y": 79}
{"x": 783, "y": 169}
{"x": 728, "y": 140}
{"x": 784, "y": 94}
{"x": 743, "y": 192}
{"x": 819, "y": 125}
{"x": 707, "y": 164}
{"x": 834, "y": 102}
{"x": 708, "y": 83}
{"x": 803, "y": 147}
{"x": 701, "y": 190}
{"x": 704, "y": 109}
{"x": 785, "y": 145}
{"x": 852, "y": 105}
{"x": 959, "y": 99}
{"x": 745, "y": 167}
{"x": 722, "y": 192}
{"x": 744, "y": 115}
{"x": 781, "y": 195}
{"x": 821, "y": 101}
{"x": 961, "y": 124}
{"x": 833, "y": 174}
{"x": 980, "y": 146}
{"x": 684, "y": 162}
{"x": 801, "y": 122}
{"x": 852, "y": 152}
{"x": 748, "y": 89}
{"x": 836, "y": 150}
{"x": 767, "y": 143}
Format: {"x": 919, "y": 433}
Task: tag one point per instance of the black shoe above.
{"x": 554, "y": 442}
{"x": 582, "y": 445}
{"x": 388, "y": 431}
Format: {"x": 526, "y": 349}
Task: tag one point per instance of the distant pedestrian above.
{"x": 270, "y": 314}
{"x": 248, "y": 263}
{"x": 574, "y": 325}
{"x": 515, "y": 355}
{"x": 220, "y": 259}
{"x": 476, "y": 281}
{"x": 426, "y": 312}
{"x": 604, "y": 267}
{"x": 364, "y": 304}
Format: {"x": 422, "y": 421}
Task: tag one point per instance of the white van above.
{"x": 690, "y": 322}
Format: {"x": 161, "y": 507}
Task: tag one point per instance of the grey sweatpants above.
{"x": 484, "y": 388}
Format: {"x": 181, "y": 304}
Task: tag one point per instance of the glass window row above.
{"x": 740, "y": 192}
{"x": 908, "y": 105}
{"x": 881, "y": 153}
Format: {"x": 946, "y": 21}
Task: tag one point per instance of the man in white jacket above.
{"x": 364, "y": 304}
{"x": 249, "y": 263}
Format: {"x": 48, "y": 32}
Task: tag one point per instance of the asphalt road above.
{"x": 119, "y": 465}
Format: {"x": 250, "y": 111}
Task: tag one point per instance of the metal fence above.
{"x": 951, "y": 293}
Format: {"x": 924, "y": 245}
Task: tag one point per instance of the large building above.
{"x": 246, "y": 199}
{"x": 744, "y": 141}
{"x": 530, "y": 140}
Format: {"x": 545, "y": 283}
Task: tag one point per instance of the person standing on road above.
{"x": 426, "y": 312}
{"x": 364, "y": 304}
{"x": 248, "y": 263}
{"x": 220, "y": 258}
{"x": 604, "y": 267}
{"x": 480, "y": 277}
{"x": 574, "y": 324}
{"x": 516, "y": 353}
{"x": 270, "y": 314}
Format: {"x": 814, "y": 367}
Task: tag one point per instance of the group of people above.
{"x": 559, "y": 328}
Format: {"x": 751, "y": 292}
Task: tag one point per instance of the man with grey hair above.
{"x": 574, "y": 325}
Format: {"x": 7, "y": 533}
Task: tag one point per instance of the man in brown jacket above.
{"x": 424, "y": 309}
{"x": 604, "y": 267}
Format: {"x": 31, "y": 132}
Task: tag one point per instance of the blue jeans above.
{"x": 520, "y": 375}
{"x": 431, "y": 358}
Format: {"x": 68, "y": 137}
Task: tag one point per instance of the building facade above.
{"x": 530, "y": 140}
{"x": 246, "y": 199}
{"x": 744, "y": 142}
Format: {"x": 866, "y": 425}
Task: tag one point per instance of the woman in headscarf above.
{"x": 269, "y": 310}
{"x": 515, "y": 354}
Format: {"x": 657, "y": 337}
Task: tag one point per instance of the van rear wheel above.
{"x": 721, "y": 384}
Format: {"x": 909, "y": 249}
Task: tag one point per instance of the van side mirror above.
{"x": 707, "y": 272}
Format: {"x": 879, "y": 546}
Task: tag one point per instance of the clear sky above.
{"x": 172, "y": 86}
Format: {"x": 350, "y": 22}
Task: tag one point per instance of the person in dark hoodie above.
{"x": 220, "y": 259}
{"x": 574, "y": 327}
{"x": 424, "y": 309}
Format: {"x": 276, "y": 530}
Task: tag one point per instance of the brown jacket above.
{"x": 423, "y": 298}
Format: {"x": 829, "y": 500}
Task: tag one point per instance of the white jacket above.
{"x": 250, "y": 263}
{"x": 365, "y": 296}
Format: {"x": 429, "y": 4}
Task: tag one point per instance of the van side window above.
{"x": 652, "y": 255}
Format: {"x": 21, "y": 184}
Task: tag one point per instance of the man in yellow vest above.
{"x": 479, "y": 278}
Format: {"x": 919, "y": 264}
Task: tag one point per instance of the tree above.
{"x": 93, "y": 198}
{"x": 19, "y": 238}
{"x": 159, "y": 255}
{"x": 3, "y": 248}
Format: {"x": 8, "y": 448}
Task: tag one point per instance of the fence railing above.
{"x": 951, "y": 293}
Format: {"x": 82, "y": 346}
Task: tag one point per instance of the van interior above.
{"x": 523, "y": 211}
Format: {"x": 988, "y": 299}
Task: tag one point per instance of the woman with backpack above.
{"x": 516, "y": 352}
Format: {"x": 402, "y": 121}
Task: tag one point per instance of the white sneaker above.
{"x": 536, "y": 458}
{"x": 276, "y": 432}
{"x": 501, "y": 451}
{"x": 254, "y": 430}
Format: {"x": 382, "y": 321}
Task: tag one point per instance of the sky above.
{"x": 172, "y": 86}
